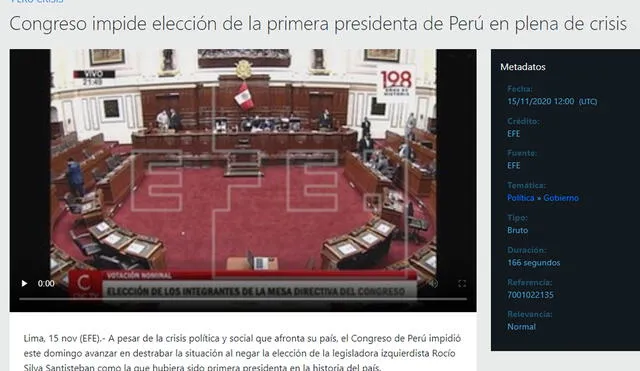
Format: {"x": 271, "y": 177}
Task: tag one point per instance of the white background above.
{"x": 483, "y": 41}
{"x": 273, "y": 324}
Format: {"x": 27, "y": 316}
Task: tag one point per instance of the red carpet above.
{"x": 203, "y": 218}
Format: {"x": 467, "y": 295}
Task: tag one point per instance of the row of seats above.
{"x": 76, "y": 151}
{"x": 112, "y": 163}
{"x": 63, "y": 143}
{"x": 95, "y": 239}
{"x": 103, "y": 257}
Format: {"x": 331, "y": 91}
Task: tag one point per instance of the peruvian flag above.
{"x": 243, "y": 98}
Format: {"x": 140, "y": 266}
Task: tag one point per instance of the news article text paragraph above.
{"x": 218, "y": 351}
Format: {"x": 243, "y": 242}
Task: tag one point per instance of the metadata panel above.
{"x": 565, "y": 251}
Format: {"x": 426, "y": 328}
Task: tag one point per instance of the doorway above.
{"x": 168, "y": 102}
{"x": 317, "y": 104}
{"x": 53, "y": 115}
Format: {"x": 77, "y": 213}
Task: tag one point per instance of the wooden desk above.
{"x": 434, "y": 244}
{"x": 242, "y": 264}
{"x": 92, "y": 208}
{"x": 118, "y": 183}
{"x": 426, "y": 263}
{"x": 54, "y": 207}
{"x": 117, "y": 240}
{"x": 425, "y": 136}
{"x": 367, "y": 238}
{"x": 97, "y": 161}
{"x": 419, "y": 263}
{"x": 152, "y": 252}
{"x": 102, "y": 229}
{"x": 208, "y": 145}
{"x": 368, "y": 181}
{"x": 424, "y": 155}
{"x": 393, "y": 140}
{"x": 341, "y": 253}
{"x": 424, "y": 250}
{"x": 61, "y": 264}
{"x": 419, "y": 182}
{"x": 392, "y": 209}
{"x": 93, "y": 196}
{"x": 382, "y": 227}
{"x": 58, "y": 162}
{"x": 375, "y": 245}
{"x": 61, "y": 142}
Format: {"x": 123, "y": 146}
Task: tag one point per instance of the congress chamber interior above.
{"x": 241, "y": 159}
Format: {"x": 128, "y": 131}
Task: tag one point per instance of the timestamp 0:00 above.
{"x": 531, "y": 294}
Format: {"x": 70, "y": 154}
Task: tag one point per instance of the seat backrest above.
{"x": 110, "y": 259}
{"x": 147, "y": 238}
{"x": 76, "y": 240}
{"x": 68, "y": 198}
{"x": 97, "y": 174}
{"x": 110, "y": 164}
{"x": 126, "y": 232}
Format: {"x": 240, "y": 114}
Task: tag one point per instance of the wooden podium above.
{"x": 92, "y": 208}
{"x": 425, "y": 264}
{"x": 382, "y": 227}
{"x": 244, "y": 164}
{"x": 341, "y": 253}
{"x": 150, "y": 250}
{"x": 376, "y": 245}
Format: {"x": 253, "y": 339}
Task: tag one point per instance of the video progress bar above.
{"x": 245, "y": 299}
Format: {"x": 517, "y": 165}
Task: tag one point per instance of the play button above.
{"x": 24, "y": 283}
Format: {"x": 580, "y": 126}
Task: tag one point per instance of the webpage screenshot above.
{"x": 252, "y": 180}
{"x": 296, "y": 200}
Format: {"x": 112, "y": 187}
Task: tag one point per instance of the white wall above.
{"x": 81, "y": 108}
{"x": 83, "y": 112}
{"x": 360, "y": 102}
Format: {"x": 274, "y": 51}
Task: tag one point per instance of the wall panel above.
{"x": 69, "y": 116}
{"x": 129, "y": 110}
{"x": 90, "y": 120}
{"x": 359, "y": 107}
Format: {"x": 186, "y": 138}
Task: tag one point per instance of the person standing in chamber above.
{"x": 175, "y": 121}
{"x": 365, "y": 147}
{"x": 75, "y": 178}
{"x": 326, "y": 121}
{"x": 366, "y": 127}
{"x": 163, "y": 120}
{"x": 408, "y": 128}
